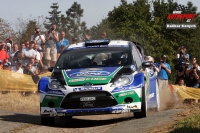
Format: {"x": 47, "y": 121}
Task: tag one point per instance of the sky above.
{"x": 94, "y": 10}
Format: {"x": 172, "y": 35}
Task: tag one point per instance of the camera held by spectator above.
{"x": 181, "y": 53}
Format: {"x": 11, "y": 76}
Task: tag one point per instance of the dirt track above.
{"x": 24, "y": 123}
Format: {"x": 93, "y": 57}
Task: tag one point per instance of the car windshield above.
{"x": 94, "y": 57}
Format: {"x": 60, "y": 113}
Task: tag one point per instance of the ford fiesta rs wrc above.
{"x": 94, "y": 77}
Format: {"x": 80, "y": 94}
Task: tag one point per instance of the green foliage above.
{"x": 190, "y": 124}
{"x": 145, "y": 22}
{"x": 70, "y": 23}
{"x": 75, "y": 27}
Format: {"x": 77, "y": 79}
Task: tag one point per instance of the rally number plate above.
{"x": 87, "y": 98}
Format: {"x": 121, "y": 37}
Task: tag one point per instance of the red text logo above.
{"x": 178, "y": 15}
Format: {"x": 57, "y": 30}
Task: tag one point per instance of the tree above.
{"x": 103, "y": 26}
{"x": 5, "y": 30}
{"x": 145, "y": 22}
{"x": 55, "y": 17}
{"x": 75, "y": 27}
{"x": 131, "y": 22}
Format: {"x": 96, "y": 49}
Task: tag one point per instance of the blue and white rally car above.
{"x": 95, "y": 77}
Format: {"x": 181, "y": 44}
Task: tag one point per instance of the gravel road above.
{"x": 25, "y": 123}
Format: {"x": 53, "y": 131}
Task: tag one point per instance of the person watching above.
{"x": 103, "y": 35}
{"x": 18, "y": 55}
{"x": 86, "y": 37}
{"x": 74, "y": 40}
{"x": 153, "y": 65}
{"x": 38, "y": 38}
{"x": 181, "y": 74}
{"x": 26, "y": 44}
{"x": 181, "y": 82}
{"x": 12, "y": 53}
{"x": 181, "y": 55}
{"x": 63, "y": 42}
{"x": 28, "y": 53}
{"x": 193, "y": 72}
{"x": 164, "y": 71}
{"x": 3, "y": 54}
{"x": 6, "y": 66}
{"x": 50, "y": 49}
{"x": 18, "y": 67}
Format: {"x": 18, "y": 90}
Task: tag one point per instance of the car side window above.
{"x": 137, "y": 57}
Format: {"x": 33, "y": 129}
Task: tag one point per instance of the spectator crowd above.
{"x": 33, "y": 56}
{"x": 188, "y": 71}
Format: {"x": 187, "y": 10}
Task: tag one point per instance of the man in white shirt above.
{"x": 18, "y": 67}
{"x": 152, "y": 69}
{"x": 38, "y": 38}
{"x": 37, "y": 57}
{"x": 34, "y": 67}
{"x": 28, "y": 53}
{"x": 38, "y": 60}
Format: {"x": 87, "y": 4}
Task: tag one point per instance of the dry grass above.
{"x": 16, "y": 102}
{"x": 189, "y": 116}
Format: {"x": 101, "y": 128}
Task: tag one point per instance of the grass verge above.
{"x": 190, "y": 124}
{"x": 16, "y": 102}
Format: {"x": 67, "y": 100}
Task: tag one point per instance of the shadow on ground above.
{"x": 61, "y": 123}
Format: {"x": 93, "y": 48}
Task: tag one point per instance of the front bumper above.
{"x": 118, "y": 109}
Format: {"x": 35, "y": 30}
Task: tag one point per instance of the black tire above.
{"x": 143, "y": 112}
{"x": 48, "y": 121}
{"x": 66, "y": 117}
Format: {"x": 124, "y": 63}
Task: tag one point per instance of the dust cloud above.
{"x": 168, "y": 99}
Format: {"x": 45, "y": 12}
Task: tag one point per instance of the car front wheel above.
{"x": 143, "y": 112}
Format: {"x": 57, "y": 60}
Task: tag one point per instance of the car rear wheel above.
{"x": 47, "y": 120}
{"x": 143, "y": 112}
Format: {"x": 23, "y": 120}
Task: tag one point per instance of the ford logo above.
{"x": 87, "y": 84}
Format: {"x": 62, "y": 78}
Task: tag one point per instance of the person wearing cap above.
{"x": 63, "y": 42}
{"x": 3, "y": 54}
{"x": 164, "y": 71}
{"x": 153, "y": 67}
{"x": 18, "y": 67}
{"x": 8, "y": 47}
{"x": 6, "y": 66}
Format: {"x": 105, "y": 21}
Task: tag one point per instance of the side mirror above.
{"x": 50, "y": 69}
{"x": 146, "y": 64}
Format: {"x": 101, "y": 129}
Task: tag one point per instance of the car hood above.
{"x": 81, "y": 76}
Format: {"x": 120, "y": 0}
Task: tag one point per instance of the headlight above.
{"x": 124, "y": 80}
{"x": 55, "y": 84}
